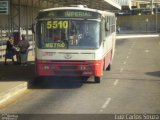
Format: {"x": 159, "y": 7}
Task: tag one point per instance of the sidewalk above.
{"x": 14, "y": 78}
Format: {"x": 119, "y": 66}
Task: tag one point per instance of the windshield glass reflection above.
{"x": 68, "y": 34}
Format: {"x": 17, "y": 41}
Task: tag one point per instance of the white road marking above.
{"x": 101, "y": 110}
{"x": 124, "y": 62}
{"x": 106, "y": 103}
{"x": 121, "y": 70}
{"x": 146, "y": 51}
{"x": 116, "y": 82}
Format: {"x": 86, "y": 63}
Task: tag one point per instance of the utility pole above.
{"x": 152, "y": 6}
{"x": 156, "y": 16}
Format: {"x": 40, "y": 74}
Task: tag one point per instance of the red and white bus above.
{"x": 74, "y": 41}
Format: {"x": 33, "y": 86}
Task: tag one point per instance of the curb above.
{"x": 123, "y": 36}
{"x": 5, "y": 96}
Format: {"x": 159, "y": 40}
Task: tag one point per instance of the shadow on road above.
{"x": 13, "y": 73}
{"x": 156, "y": 73}
{"x": 56, "y": 83}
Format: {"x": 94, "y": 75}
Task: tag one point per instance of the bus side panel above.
{"x": 107, "y": 59}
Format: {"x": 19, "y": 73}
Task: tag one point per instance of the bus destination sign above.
{"x": 78, "y": 14}
{"x": 69, "y": 14}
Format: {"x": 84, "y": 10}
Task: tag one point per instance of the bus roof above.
{"x": 79, "y": 8}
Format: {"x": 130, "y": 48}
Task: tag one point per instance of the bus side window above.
{"x": 107, "y": 26}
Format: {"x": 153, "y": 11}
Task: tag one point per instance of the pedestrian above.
{"x": 23, "y": 45}
{"x": 118, "y": 29}
{"x": 9, "y": 50}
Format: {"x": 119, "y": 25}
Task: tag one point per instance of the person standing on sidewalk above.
{"x": 9, "y": 50}
{"x": 23, "y": 45}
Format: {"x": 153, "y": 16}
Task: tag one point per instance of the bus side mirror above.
{"x": 107, "y": 26}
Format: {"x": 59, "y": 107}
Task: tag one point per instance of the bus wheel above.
{"x": 97, "y": 79}
{"x": 108, "y": 67}
{"x": 84, "y": 79}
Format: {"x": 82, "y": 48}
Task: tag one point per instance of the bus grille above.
{"x": 68, "y": 72}
{"x": 68, "y": 67}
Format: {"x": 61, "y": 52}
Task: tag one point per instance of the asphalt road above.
{"x": 132, "y": 86}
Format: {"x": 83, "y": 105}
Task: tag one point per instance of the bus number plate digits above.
{"x": 57, "y": 24}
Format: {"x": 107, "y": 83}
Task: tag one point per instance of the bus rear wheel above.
{"x": 108, "y": 67}
{"x": 97, "y": 79}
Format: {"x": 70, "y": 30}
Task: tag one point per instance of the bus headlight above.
{"x": 46, "y": 67}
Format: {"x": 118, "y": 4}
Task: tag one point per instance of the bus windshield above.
{"x": 68, "y": 34}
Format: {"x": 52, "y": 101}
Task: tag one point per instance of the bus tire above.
{"x": 97, "y": 79}
{"x": 84, "y": 79}
{"x": 108, "y": 67}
